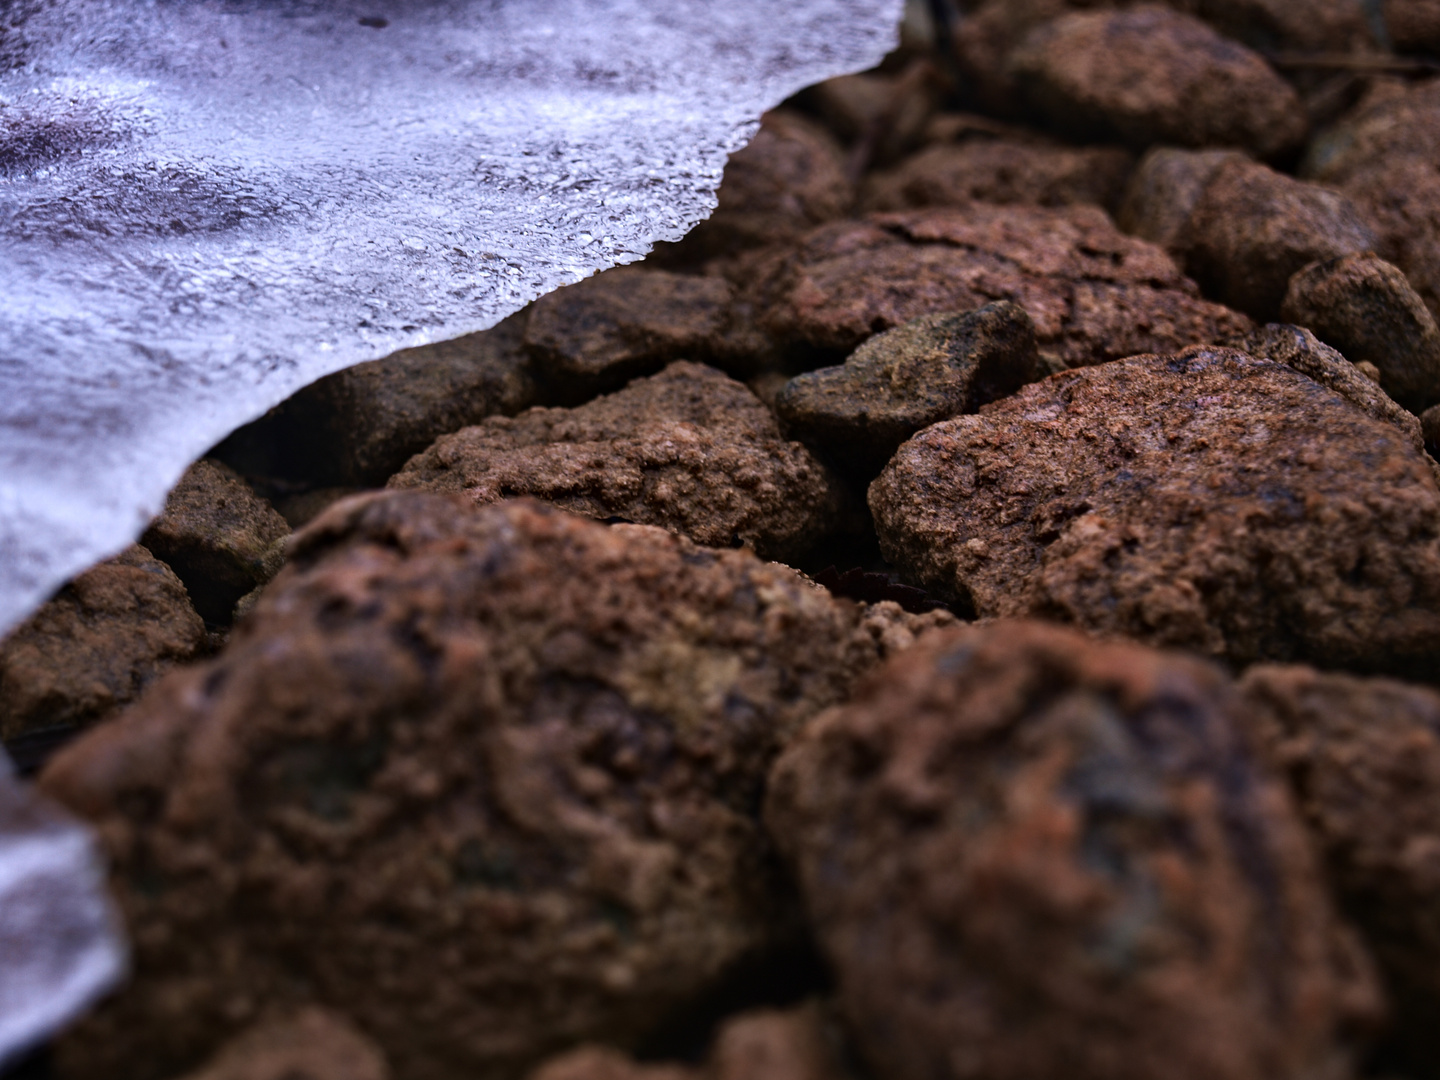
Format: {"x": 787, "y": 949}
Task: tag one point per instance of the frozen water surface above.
{"x": 206, "y": 204}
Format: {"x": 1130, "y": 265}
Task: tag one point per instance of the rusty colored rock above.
{"x": 93, "y": 648}
{"x": 313, "y": 1045}
{"x": 607, "y": 1063}
{"x": 1093, "y": 293}
{"x": 1413, "y": 25}
{"x": 1289, "y": 25}
{"x": 1164, "y": 190}
{"x": 1364, "y": 306}
{"x": 930, "y": 369}
{"x": 789, "y": 178}
{"x": 1028, "y": 854}
{"x": 483, "y": 781}
{"x": 1147, "y": 75}
{"x": 1298, "y": 348}
{"x": 1002, "y": 171}
{"x": 1363, "y": 758}
{"x": 221, "y": 539}
{"x": 1385, "y": 155}
{"x": 357, "y": 427}
{"x": 1208, "y": 500}
{"x": 984, "y": 41}
{"x": 597, "y": 335}
{"x": 690, "y": 449}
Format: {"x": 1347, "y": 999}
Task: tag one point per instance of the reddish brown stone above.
{"x": 219, "y": 537}
{"x": 314, "y": 1045}
{"x": 94, "y": 647}
{"x": 1030, "y": 855}
{"x": 690, "y": 449}
{"x": 1299, "y": 25}
{"x": 1430, "y": 426}
{"x": 1363, "y": 758}
{"x": 1163, "y": 191}
{"x": 1148, "y": 75}
{"x": 1209, "y": 501}
{"x": 485, "y": 782}
{"x": 1413, "y": 25}
{"x": 1093, "y": 293}
{"x": 607, "y": 1063}
{"x": 1002, "y": 171}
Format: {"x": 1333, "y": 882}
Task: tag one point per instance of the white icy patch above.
{"x": 207, "y": 204}
{"x": 60, "y": 940}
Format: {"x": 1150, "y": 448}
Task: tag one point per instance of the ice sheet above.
{"x": 206, "y": 204}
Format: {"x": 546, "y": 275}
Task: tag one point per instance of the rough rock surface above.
{"x": 313, "y": 1045}
{"x": 1002, "y": 171}
{"x": 483, "y": 781}
{"x": 1363, "y": 758}
{"x": 768, "y": 1044}
{"x": 1163, "y": 191}
{"x": 1385, "y": 155}
{"x": 1027, "y": 854}
{"x": 357, "y": 427}
{"x": 1298, "y": 348}
{"x": 1148, "y": 75}
{"x": 221, "y": 539}
{"x": 790, "y": 178}
{"x": 1366, "y": 308}
{"x": 1208, "y": 500}
{"x": 1093, "y": 293}
{"x": 599, "y": 334}
{"x": 102, "y": 639}
{"x": 930, "y": 369}
{"x": 1301, "y": 25}
{"x": 1251, "y": 228}
{"x": 689, "y": 449}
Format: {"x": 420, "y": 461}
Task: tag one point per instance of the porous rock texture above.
{"x": 1385, "y": 155}
{"x": 1000, "y": 170}
{"x": 96, "y": 645}
{"x": 221, "y": 539}
{"x": 485, "y": 782}
{"x": 356, "y": 427}
{"x": 1028, "y": 854}
{"x": 597, "y": 335}
{"x": 1207, "y": 500}
{"x": 1146, "y": 75}
{"x": 930, "y": 369}
{"x": 312, "y": 1045}
{"x": 1365, "y": 307}
{"x": 1093, "y": 293}
{"x": 690, "y": 449}
{"x": 1363, "y": 758}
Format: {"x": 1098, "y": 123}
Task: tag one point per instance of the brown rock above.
{"x": 1149, "y": 75}
{"x": 484, "y": 782}
{"x": 1093, "y": 293}
{"x": 689, "y": 449}
{"x": 984, "y": 41}
{"x": 357, "y": 427}
{"x": 313, "y": 1045}
{"x": 219, "y": 537}
{"x": 1363, "y": 758}
{"x": 1239, "y": 228}
{"x": 790, "y": 178}
{"x": 1385, "y": 155}
{"x": 607, "y": 1063}
{"x": 598, "y": 335}
{"x": 1364, "y": 307}
{"x": 1298, "y": 348}
{"x": 1430, "y": 427}
{"x": 1002, "y": 171}
{"x": 1414, "y": 25}
{"x": 1027, "y": 854}
{"x": 930, "y": 369}
{"x": 889, "y": 110}
{"x": 1209, "y": 501}
{"x": 103, "y": 638}
{"x": 1298, "y": 25}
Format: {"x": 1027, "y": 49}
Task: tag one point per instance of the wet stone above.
{"x": 1208, "y": 500}
{"x": 1029, "y": 854}
{"x": 92, "y": 649}
{"x": 905, "y": 379}
{"x": 1147, "y": 75}
{"x": 689, "y": 449}
{"x": 219, "y": 537}
{"x": 357, "y": 427}
{"x": 314, "y": 1045}
{"x": 1093, "y": 293}
{"x": 483, "y": 781}
{"x": 1366, "y": 308}
{"x": 1363, "y": 758}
